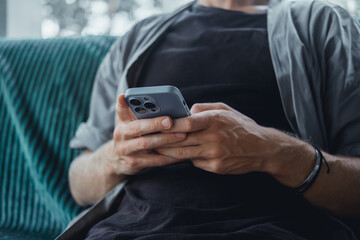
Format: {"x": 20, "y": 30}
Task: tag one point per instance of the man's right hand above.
{"x": 93, "y": 174}
{"x": 133, "y": 141}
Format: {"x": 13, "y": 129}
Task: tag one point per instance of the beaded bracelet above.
{"x": 311, "y": 178}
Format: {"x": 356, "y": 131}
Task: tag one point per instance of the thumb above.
{"x": 123, "y": 111}
{"x": 202, "y": 107}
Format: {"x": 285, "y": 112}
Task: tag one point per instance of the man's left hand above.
{"x": 225, "y": 141}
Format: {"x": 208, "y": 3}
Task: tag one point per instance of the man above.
{"x": 229, "y": 171}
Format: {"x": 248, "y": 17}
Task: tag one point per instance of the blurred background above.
{"x": 65, "y": 18}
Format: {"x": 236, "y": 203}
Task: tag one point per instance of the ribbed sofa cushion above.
{"x": 45, "y": 88}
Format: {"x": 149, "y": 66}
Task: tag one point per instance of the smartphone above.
{"x": 150, "y": 102}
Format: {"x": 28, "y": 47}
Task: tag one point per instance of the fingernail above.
{"x": 165, "y": 123}
{"x": 180, "y": 135}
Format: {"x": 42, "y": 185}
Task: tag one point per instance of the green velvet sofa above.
{"x": 45, "y": 89}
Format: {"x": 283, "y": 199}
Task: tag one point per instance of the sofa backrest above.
{"x": 45, "y": 89}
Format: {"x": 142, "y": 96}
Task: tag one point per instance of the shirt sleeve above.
{"x": 99, "y": 127}
{"x": 341, "y": 90}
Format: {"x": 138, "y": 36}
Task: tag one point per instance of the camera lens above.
{"x": 150, "y": 105}
{"x": 135, "y": 102}
{"x": 140, "y": 110}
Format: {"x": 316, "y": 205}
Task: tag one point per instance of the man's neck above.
{"x": 250, "y": 6}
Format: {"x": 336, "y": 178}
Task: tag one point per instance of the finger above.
{"x": 141, "y": 127}
{"x": 144, "y": 160}
{"x": 192, "y": 123}
{"x": 123, "y": 111}
{"x": 201, "y": 107}
{"x": 204, "y": 164}
{"x": 149, "y": 142}
{"x": 192, "y": 139}
{"x": 220, "y": 167}
{"x": 182, "y": 152}
{"x": 200, "y": 163}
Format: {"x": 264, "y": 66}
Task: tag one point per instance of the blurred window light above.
{"x": 99, "y": 7}
{"x": 49, "y": 28}
{"x": 351, "y": 5}
{"x": 63, "y": 18}
{"x": 70, "y": 1}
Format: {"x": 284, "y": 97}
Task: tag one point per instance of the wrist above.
{"x": 292, "y": 160}
{"x": 107, "y": 164}
{"x": 107, "y": 161}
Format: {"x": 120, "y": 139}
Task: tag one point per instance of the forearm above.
{"x": 89, "y": 176}
{"x": 337, "y": 192}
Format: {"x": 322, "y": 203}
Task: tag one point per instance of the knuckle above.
{"x": 222, "y": 118}
{"x": 131, "y": 162}
{"x": 196, "y": 107}
{"x": 143, "y": 143}
{"x": 215, "y": 152}
{"x": 120, "y": 151}
{"x": 172, "y": 138}
{"x": 155, "y": 125}
{"x": 134, "y": 128}
{"x": 116, "y": 134}
{"x": 216, "y": 167}
{"x": 189, "y": 124}
{"x": 180, "y": 153}
{"x": 196, "y": 163}
{"x": 222, "y": 105}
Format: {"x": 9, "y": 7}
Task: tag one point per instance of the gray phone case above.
{"x": 150, "y": 102}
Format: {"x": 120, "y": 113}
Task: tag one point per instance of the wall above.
{"x": 23, "y": 18}
{"x": 2, "y": 18}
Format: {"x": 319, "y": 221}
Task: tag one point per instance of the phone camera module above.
{"x": 140, "y": 110}
{"x": 135, "y": 102}
{"x": 150, "y": 105}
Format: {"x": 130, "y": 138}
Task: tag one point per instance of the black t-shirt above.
{"x": 214, "y": 55}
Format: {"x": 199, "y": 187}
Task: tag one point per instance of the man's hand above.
{"x": 93, "y": 174}
{"x": 224, "y": 141}
{"x": 133, "y": 140}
